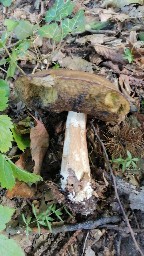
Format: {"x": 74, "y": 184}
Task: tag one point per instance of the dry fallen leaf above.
{"x": 109, "y": 53}
{"x": 76, "y": 63}
{"x": 109, "y": 14}
{"x": 20, "y": 162}
{"x": 94, "y": 39}
{"x": 39, "y": 143}
{"x": 120, "y": 3}
{"x": 20, "y": 189}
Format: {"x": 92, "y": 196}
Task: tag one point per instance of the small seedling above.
{"x": 128, "y": 55}
{"x": 43, "y": 218}
{"x": 56, "y": 66}
{"x": 27, "y": 223}
{"x": 129, "y": 163}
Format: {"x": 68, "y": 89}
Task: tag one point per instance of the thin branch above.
{"x": 116, "y": 191}
{"x": 87, "y": 225}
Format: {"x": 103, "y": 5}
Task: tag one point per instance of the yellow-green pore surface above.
{"x": 65, "y": 90}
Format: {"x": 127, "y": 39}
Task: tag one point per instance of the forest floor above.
{"x": 112, "y": 46}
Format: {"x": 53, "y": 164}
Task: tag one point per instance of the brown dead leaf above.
{"x": 20, "y": 189}
{"x": 94, "y": 39}
{"x": 109, "y": 53}
{"x": 76, "y": 63}
{"x": 21, "y": 162}
{"x": 39, "y": 143}
{"x": 109, "y": 14}
{"x": 124, "y": 83}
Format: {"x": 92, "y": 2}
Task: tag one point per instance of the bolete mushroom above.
{"x": 79, "y": 93}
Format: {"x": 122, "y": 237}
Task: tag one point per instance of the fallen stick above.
{"x": 91, "y": 224}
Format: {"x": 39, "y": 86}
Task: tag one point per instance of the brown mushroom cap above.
{"x": 65, "y": 90}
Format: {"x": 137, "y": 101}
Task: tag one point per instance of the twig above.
{"x": 91, "y": 224}
{"x": 84, "y": 246}
{"x": 116, "y": 191}
{"x": 108, "y": 32}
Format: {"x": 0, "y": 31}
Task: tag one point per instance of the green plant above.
{"x": 59, "y": 24}
{"x": 8, "y": 246}
{"x": 43, "y": 218}
{"x": 27, "y": 222}
{"x": 8, "y": 170}
{"x": 6, "y": 3}
{"x": 128, "y": 55}
{"x": 128, "y": 163}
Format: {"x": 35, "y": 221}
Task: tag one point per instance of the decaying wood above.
{"x": 65, "y": 90}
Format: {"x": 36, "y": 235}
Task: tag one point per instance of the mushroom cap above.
{"x": 64, "y": 90}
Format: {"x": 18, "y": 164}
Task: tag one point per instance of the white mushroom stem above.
{"x": 75, "y": 169}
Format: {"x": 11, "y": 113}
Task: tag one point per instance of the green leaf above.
{"x": 2, "y": 62}
{"x": 134, "y": 165}
{"x": 96, "y": 25}
{"x": 129, "y": 155}
{"x": 135, "y": 159}
{"x": 78, "y": 22}
{"x": 59, "y": 10}
{"x": 4, "y": 85}
{"x": 3, "y": 100}
{"x": 22, "y": 48}
{"x": 49, "y": 31}
{"x": 5, "y": 216}
{"x": 5, "y": 133}
{"x": 9, "y": 247}
{"x": 3, "y": 39}
{"x": 128, "y": 55}
{"x": 23, "y": 30}
{"x": 58, "y": 35}
{"x": 12, "y": 64}
{"x": 66, "y": 27}
{"x": 7, "y": 179}
{"x": 74, "y": 25}
{"x": 141, "y": 36}
{"x": 49, "y": 225}
{"x": 6, "y": 3}
{"x": 10, "y": 24}
{"x": 23, "y": 175}
{"x": 128, "y": 163}
{"x": 22, "y": 141}
{"x": 9, "y": 172}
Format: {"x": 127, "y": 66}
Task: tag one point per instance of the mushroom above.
{"x": 79, "y": 93}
